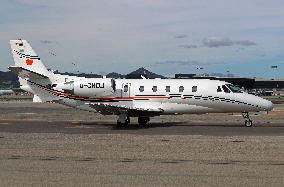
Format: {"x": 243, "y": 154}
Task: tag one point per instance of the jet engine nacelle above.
{"x": 92, "y": 87}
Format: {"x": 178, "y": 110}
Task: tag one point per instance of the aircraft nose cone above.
{"x": 268, "y": 105}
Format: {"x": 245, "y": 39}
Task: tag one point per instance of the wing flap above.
{"x": 108, "y": 109}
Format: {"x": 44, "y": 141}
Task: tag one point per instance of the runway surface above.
{"x": 53, "y": 118}
{"x": 52, "y": 145}
{"x": 172, "y": 128}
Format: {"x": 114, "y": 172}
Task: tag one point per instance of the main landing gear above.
{"x": 143, "y": 120}
{"x": 123, "y": 120}
{"x": 248, "y": 121}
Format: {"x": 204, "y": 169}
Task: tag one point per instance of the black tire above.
{"x": 248, "y": 123}
{"x": 127, "y": 121}
{"x": 143, "y": 120}
{"x": 125, "y": 124}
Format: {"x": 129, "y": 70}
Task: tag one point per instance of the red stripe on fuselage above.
{"x": 70, "y": 96}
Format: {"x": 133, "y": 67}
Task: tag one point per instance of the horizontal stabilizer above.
{"x": 25, "y": 73}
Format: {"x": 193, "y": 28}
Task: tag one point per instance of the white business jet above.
{"x": 142, "y": 98}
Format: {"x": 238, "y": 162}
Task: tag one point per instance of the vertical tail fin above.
{"x": 25, "y": 57}
{"x": 31, "y": 70}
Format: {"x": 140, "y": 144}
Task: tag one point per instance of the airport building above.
{"x": 255, "y": 86}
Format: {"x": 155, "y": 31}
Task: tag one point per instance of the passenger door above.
{"x": 125, "y": 91}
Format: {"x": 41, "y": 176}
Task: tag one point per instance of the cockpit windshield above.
{"x": 226, "y": 89}
{"x": 234, "y": 88}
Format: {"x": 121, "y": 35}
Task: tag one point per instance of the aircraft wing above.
{"x": 108, "y": 109}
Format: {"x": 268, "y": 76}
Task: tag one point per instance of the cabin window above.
{"x": 168, "y": 89}
{"x": 141, "y": 88}
{"x": 155, "y": 88}
{"x": 125, "y": 88}
{"x": 226, "y": 90}
{"x": 194, "y": 88}
{"x": 219, "y": 89}
{"x": 181, "y": 89}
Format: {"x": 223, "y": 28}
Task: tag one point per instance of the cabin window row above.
{"x": 167, "y": 89}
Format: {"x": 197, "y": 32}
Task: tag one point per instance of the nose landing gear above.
{"x": 248, "y": 121}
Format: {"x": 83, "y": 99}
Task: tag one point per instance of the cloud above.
{"x": 178, "y": 62}
{"x": 262, "y": 55}
{"x": 34, "y": 3}
{"x": 180, "y": 36}
{"x": 224, "y": 42}
{"x": 186, "y": 46}
{"x": 217, "y": 42}
{"x": 48, "y": 42}
{"x": 244, "y": 43}
{"x": 188, "y": 63}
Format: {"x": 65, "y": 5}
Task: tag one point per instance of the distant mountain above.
{"x": 87, "y": 75}
{"x": 135, "y": 74}
{"x": 146, "y": 73}
{"x": 9, "y": 79}
{"x": 115, "y": 75}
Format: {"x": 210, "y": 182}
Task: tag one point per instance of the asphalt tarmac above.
{"x": 52, "y": 145}
{"x": 53, "y": 118}
{"x": 166, "y": 128}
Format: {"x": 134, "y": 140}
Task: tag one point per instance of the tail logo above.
{"x": 29, "y": 62}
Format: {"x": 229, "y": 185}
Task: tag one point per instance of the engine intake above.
{"x": 91, "y": 87}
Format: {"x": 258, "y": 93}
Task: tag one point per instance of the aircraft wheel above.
{"x": 124, "y": 123}
{"x": 143, "y": 120}
{"x": 248, "y": 123}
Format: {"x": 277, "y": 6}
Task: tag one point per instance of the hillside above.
{"x": 8, "y": 80}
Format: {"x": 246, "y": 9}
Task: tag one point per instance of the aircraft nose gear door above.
{"x": 125, "y": 91}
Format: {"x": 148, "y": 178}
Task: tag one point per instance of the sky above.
{"x": 240, "y": 37}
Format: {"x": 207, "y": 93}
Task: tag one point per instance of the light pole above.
{"x": 200, "y": 68}
{"x": 275, "y": 68}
